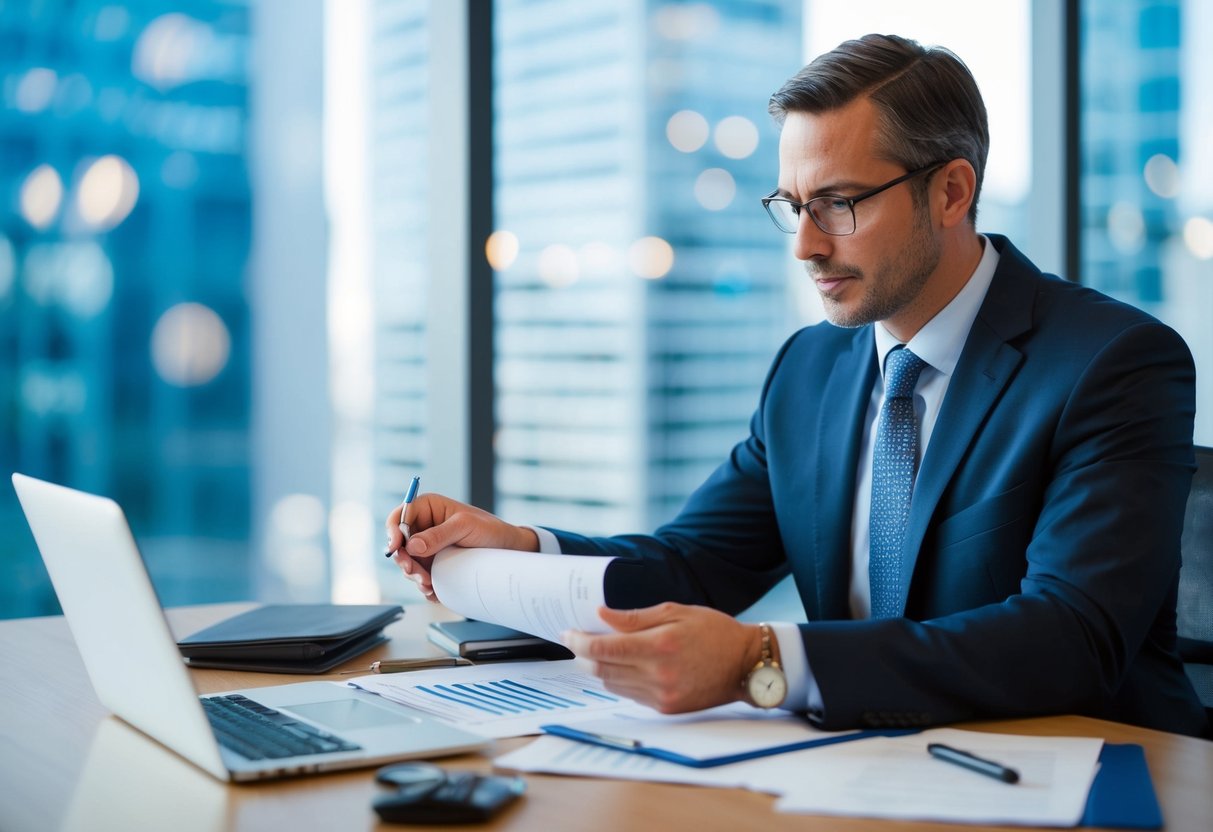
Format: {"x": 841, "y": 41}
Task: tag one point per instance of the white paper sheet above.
{"x": 884, "y": 777}
{"x": 895, "y": 777}
{"x": 540, "y": 594}
{"x": 555, "y": 755}
{"x": 507, "y": 699}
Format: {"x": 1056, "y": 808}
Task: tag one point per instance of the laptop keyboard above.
{"x": 259, "y": 733}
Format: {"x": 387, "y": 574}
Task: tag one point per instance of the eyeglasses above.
{"x": 832, "y": 213}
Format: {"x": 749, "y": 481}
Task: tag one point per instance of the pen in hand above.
{"x": 405, "y": 508}
{"x": 972, "y": 762}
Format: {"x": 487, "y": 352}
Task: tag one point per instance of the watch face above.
{"x": 767, "y": 687}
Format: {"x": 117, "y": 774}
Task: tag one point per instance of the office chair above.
{"x": 1195, "y": 608}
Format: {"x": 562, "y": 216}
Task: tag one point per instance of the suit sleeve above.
{"x": 722, "y": 550}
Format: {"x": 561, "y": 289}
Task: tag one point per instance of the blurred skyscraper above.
{"x": 1145, "y": 190}
{"x": 124, "y": 326}
{"x": 641, "y": 290}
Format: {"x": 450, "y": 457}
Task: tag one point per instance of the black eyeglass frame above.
{"x": 851, "y": 201}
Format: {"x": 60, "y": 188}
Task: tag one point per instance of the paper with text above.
{"x": 539, "y": 594}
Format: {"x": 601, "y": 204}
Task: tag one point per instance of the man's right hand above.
{"x": 438, "y": 522}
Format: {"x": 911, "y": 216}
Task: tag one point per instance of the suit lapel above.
{"x": 844, "y": 404}
{"x": 986, "y": 366}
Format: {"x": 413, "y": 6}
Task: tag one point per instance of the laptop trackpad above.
{"x": 348, "y": 714}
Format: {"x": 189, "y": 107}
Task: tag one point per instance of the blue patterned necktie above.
{"x": 894, "y": 464}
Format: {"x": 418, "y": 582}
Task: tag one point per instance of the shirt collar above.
{"x": 942, "y": 338}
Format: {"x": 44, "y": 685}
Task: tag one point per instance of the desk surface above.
{"x": 65, "y": 765}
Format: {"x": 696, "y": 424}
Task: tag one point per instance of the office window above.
{"x": 640, "y": 292}
{"x": 124, "y": 323}
{"x": 1146, "y": 176}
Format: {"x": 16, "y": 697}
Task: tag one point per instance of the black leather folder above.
{"x": 290, "y": 638}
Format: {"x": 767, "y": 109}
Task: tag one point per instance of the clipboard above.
{"x": 638, "y": 747}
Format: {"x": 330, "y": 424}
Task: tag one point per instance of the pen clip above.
{"x": 622, "y": 743}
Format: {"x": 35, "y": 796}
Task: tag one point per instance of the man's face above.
{"x": 878, "y": 273}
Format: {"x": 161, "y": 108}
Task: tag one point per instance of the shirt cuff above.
{"x": 803, "y": 692}
{"x": 548, "y": 544}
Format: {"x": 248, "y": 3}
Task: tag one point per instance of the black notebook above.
{"x": 290, "y": 638}
{"x": 481, "y": 641}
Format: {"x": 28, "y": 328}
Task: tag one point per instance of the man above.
{"x": 976, "y": 473}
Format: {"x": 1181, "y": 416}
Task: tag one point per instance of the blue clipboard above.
{"x": 636, "y": 747}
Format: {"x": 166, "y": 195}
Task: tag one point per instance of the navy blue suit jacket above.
{"x": 1042, "y": 554}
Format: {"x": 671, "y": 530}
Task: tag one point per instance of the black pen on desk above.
{"x": 404, "y": 511}
{"x": 972, "y": 762}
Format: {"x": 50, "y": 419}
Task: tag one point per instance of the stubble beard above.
{"x": 895, "y": 283}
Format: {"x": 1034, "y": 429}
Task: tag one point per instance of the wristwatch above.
{"x": 766, "y": 686}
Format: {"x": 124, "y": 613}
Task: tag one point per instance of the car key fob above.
{"x": 464, "y": 797}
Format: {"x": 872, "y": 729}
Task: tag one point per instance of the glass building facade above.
{"x": 124, "y": 325}
{"x": 640, "y": 292}
{"x": 155, "y": 349}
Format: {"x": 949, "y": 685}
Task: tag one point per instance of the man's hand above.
{"x": 671, "y": 657}
{"x": 438, "y": 522}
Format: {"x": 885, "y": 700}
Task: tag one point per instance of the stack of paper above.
{"x": 888, "y": 777}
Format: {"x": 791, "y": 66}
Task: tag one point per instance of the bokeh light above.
{"x": 1162, "y": 175}
{"x": 41, "y": 196}
{"x": 501, "y": 249}
{"x": 190, "y": 345}
{"x": 35, "y": 90}
{"x": 651, "y": 257}
{"x": 736, "y": 137}
{"x": 108, "y": 191}
{"x": 1198, "y": 237}
{"x": 558, "y": 265}
{"x": 687, "y": 130}
{"x": 715, "y": 189}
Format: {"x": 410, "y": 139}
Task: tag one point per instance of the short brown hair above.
{"x": 929, "y": 106}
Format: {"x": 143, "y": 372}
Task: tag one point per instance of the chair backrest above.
{"x": 1195, "y": 609}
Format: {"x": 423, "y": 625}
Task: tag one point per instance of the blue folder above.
{"x": 1122, "y": 796}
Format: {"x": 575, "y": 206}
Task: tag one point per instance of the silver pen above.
{"x": 404, "y": 511}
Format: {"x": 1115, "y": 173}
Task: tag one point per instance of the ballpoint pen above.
{"x": 404, "y": 511}
{"x": 972, "y": 762}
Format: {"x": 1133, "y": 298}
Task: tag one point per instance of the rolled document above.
{"x": 544, "y": 595}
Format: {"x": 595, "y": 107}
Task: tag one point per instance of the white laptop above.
{"x": 137, "y": 672}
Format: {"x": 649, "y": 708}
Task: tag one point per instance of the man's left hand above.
{"x": 671, "y": 657}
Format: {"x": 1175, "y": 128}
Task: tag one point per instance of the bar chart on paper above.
{"x": 503, "y": 700}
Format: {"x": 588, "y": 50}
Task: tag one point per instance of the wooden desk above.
{"x": 65, "y": 765}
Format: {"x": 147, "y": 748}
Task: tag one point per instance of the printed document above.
{"x": 509, "y": 699}
{"x": 544, "y": 595}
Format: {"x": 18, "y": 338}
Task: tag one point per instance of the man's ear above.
{"x": 955, "y": 188}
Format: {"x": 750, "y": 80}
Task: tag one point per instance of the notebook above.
{"x": 137, "y": 672}
{"x": 290, "y": 638}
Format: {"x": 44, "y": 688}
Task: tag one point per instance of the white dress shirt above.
{"x": 939, "y": 343}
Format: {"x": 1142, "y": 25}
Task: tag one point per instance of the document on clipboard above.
{"x": 707, "y": 739}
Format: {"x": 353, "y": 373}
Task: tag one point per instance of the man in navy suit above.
{"x": 1004, "y": 543}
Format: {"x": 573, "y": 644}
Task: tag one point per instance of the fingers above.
{"x": 631, "y": 621}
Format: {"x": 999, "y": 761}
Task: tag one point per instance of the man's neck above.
{"x": 960, "y": 254}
